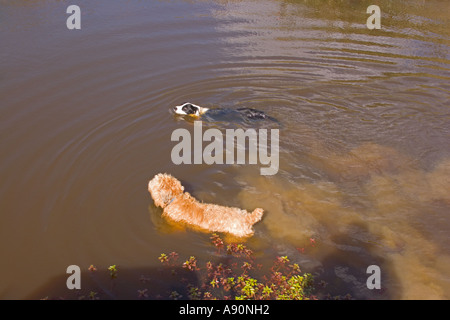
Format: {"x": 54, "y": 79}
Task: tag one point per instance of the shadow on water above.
{"x": 131, "y": 283}
{"x": 342, "y": 275}
{"x": 345, "y": 267}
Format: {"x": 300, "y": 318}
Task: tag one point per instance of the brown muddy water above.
{"x": 364, "y": 143}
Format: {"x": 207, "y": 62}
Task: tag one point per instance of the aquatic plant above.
{"x": 233, "y": 278}
{"x": 233, "y": 274}
{"x": 112, "y": 271}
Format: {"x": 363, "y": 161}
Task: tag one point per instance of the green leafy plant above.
{"x": 113, "y": 271}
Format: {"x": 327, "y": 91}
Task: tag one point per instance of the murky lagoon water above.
{"x": 364, "y": 147}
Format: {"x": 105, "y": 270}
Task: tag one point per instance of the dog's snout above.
{"x": 175, "y": 109}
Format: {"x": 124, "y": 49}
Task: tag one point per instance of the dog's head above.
{"x": 188, "y": 109}
{"x": 164, "y": 188}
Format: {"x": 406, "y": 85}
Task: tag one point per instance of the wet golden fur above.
{"x": 168, "y": 193}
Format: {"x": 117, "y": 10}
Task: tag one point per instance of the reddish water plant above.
{"x": 233, "y": 277}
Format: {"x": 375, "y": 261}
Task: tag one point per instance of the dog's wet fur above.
{"x": 180, "y": 207}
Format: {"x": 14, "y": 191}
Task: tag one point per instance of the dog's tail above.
{"x": 255, "y": 216}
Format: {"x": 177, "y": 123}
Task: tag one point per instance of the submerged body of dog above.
{"x": 248, "y": 115}
{"x": 180, "y": 206}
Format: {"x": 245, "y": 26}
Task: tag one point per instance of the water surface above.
{"x": 364, "y": 146}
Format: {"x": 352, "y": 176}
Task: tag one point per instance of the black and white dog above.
{"x": 190, "y": 109}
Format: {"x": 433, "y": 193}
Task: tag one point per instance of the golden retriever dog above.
{"x": 180, "y": 206}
